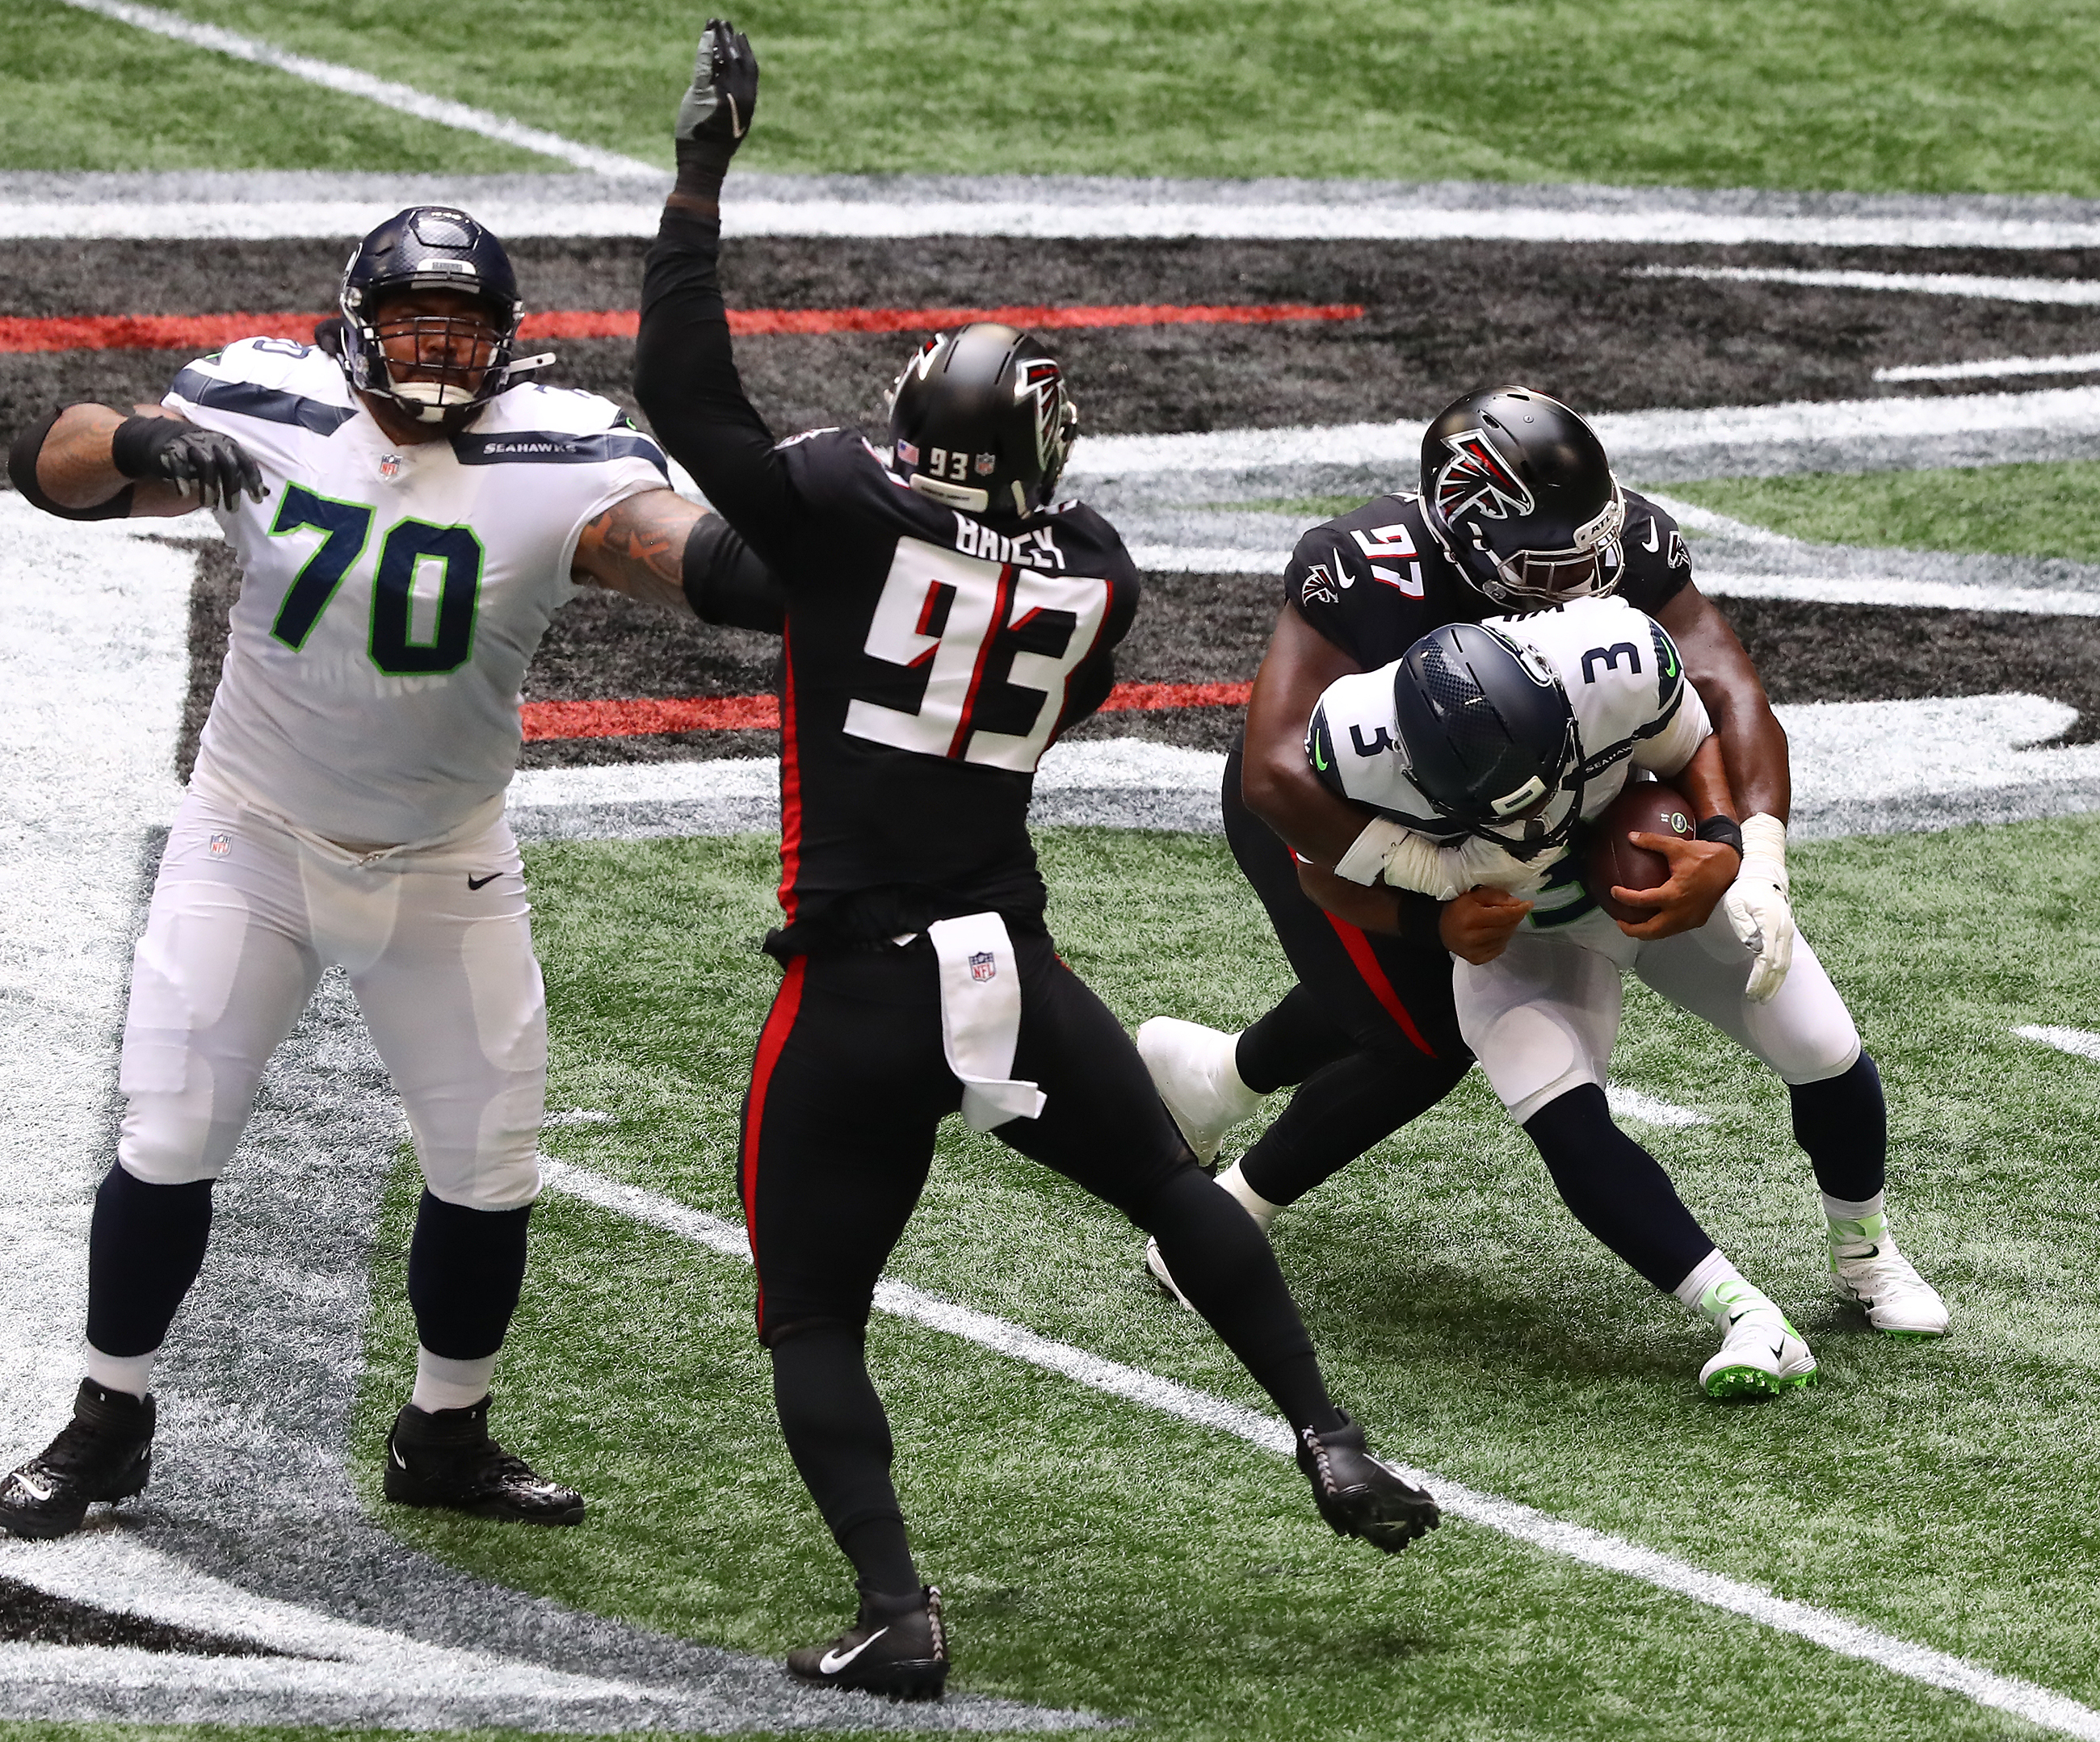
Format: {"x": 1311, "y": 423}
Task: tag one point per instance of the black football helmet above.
{"x": 433, "y": 248}
{"x": 980, "y": 420}
{"x": 1517, "y": 488}
{"x": 1485, "y": 723}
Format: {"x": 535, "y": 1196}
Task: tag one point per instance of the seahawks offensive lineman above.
{"x": 1517, "y": 506}
{"x": 408, "y": 511}
{"x": 1483, "y": 750}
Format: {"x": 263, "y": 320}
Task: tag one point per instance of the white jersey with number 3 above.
{"x": 391, "y": 596}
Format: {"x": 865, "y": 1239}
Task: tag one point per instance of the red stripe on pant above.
{"x": 779, "y": 1024}
{"x": 1374, "y": 976}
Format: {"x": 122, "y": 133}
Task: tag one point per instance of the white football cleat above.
{"x": 1877, "y": 1277}
{"x": 1193, "y": 1068}
{"x": 1156, "y": 1267}
{"x": 1761, "y": 1354}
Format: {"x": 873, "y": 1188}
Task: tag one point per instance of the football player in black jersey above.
{"x": 1517, "y": 509}
{"x": 945, "y": 619}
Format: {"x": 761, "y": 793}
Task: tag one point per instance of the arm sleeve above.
{"x": 727, "y": 585}
{"x": 686, "y": 380}
{"x": 22, "y": 457}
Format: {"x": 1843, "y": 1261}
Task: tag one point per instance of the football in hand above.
{"x": 1646, "y": 807}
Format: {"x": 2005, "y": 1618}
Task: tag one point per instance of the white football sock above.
{"x": 1262, "y": 1211}
{"x": 1863, "y": 1224}
{"x": 122, "y": 1373}
{"x": 443, "y": 1384}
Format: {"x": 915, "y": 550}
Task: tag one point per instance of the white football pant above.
{"x": 246, "y": 916}
{"x": 1543, "y": 1016}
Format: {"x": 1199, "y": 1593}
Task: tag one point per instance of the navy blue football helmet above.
{"x": 1485, "y": 725}
{"x": 1517, "y": 488}
{"x": 464, "y": 361}
{"x": 980, "y": 420}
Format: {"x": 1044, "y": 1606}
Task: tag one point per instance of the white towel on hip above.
{"x": 981, "y": 1018}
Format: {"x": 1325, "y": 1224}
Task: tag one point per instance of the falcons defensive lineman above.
{"x": 946, "y": 617}
{"x": 1482, "y": 751}
{"x": 408, "y": 510}
{"x": 1517, "y": 507}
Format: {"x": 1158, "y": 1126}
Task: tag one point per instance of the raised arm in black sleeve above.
{"x": 685, "y": 377}
{"x": 725, "y": 583}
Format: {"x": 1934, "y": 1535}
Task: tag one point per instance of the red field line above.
{"x": 650, "y": 717}
{"x": 208, "y": 332}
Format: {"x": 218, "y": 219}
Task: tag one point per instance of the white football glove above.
{"x": 1756, "y": 909}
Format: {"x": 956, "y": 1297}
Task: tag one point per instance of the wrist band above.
{"x": 1725, "y": 830}
{"x": 1366, "y": 859}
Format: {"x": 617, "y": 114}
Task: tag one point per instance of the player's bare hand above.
{"x": 1477, "y": 927}
{"x": 167, "y": 450}
{"x": 1700, "y": 873}
{"x": 716, "y": 112}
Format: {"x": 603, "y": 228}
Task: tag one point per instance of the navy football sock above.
{"x": 1843, "y": 1124}
{"x": 465, "y": 1268}
{"x": 145, "y": 1247}
{"x": 1342, "y": 1110}
{"x": 1616, "y": 1188}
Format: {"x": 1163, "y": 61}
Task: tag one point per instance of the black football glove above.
{"x": 716, "y": 112}
{"x": 170, "y": 452}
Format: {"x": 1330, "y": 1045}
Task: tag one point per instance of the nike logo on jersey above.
{"x": 831, "y": 1662}
{"x": 477, "y": 883}
{"x": 1654, "y": 535}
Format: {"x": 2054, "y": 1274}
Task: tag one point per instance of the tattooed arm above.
{"x": 660, "y": 549}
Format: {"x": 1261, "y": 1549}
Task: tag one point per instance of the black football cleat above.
{"x": 1360, "y": 1495}
{"x": 444, "y": 1457}
{"x": 897, "y": 1647}
{"x": 104, "y": 1453}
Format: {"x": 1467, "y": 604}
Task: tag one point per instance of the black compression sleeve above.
{"x": 22, "y": 458}
{"x": 726, "y": 583}
{"x": 686, "y": 380}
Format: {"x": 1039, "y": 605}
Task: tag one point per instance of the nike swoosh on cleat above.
{"x": 33, "y": 1489}
{"x": 1778, "y": 1351}
{"x": 395, "y": 1452}
{"x": 832, "y": 1662}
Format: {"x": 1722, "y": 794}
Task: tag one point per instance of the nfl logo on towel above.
{"x": 983, "y": 965}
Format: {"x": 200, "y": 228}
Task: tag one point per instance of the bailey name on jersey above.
{"x": 391, "y": 594}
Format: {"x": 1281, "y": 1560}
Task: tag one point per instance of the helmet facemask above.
{"x": 1526, "y": 579}
{"x": 433, "y": 366}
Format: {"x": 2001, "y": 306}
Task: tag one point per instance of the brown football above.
{"x": 1646, "y": 807}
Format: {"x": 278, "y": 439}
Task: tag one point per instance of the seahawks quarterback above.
{"x": 1481, "y": 750}
{"x": 409, "y": 509}
{"x": 1516, "y": 507}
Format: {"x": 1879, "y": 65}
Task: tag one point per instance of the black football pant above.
{"x": 1369, "y": 1031}
{"x": 847, "y": 1086}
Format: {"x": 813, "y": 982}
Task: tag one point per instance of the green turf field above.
{"x": 1970, "y": 97}
{"x": 2033, "y": 510}
{"x": 1098, "y": 1554}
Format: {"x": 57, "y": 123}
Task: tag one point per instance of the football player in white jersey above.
{"x": 409, "y": 509}
{"x": 1484, "y": 749}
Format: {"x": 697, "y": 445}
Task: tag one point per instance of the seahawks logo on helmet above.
{"x": 1476, "y": 476}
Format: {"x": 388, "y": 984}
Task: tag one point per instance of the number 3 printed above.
{"x": 943, "y": 610}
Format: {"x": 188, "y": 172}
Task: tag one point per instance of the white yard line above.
{"x": 385, "y": 92}
{"x": 1988, "y": 369}
{"x": 1629, "y": 436}
{"x": 2038, "y": 1705}
{"x": 2078, "y": 1041}
{"x": 2078, "y": 292}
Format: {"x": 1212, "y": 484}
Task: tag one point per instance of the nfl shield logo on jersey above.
{"x": 389, "y": 467}
{"x": 221, "y": 845}
{"x": 983, "y": 965}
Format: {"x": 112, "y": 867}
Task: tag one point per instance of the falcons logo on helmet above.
{"x": 1043, "y": 377}
{"x": 1476, "y": 476}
